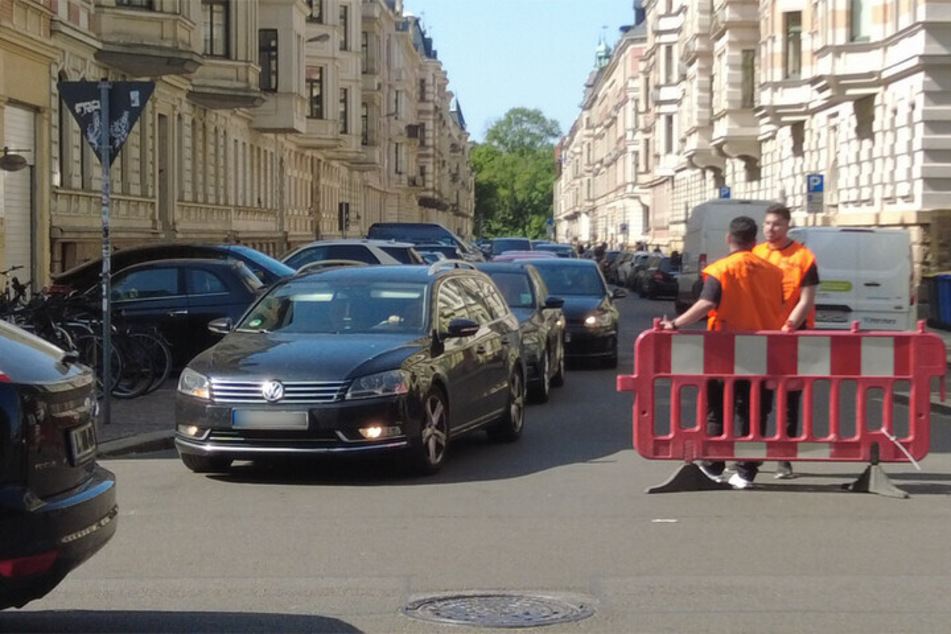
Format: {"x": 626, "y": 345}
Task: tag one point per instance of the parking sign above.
{"x": 814, "y": 184}
{"x": 814, "y": 193}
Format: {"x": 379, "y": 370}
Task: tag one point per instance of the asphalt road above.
{"x": 342, "y": 547}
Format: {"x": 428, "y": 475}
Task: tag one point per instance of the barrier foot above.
{"x": 689, "y": 477}
{"x": 875, "y": 480}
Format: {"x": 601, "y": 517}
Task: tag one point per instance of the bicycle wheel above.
{"x": 137, "y": 373}
{"x": 91, "y": 353}
{"x": 159, "y": 354}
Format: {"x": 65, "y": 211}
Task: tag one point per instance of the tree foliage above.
{"x": 515, "y": 174}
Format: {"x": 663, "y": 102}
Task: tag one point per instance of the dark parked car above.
{"x": 591, "y": 316}
{"x": 541, "y": 321}
{"x": 448, "y": 251}
{"x": 423, "y": 233}
{"x": 561, "y": 250}
{"x": 180, "y": 297}
{"x": 57, "y": 505}
{"x": 659, "y": 279}
{"x": 358, "y": 360}
{"x": 501, "y": 245}
{"x": 355, "y": 249}
{"x": 83, "y": 277}
{"x": 609, "y": 264}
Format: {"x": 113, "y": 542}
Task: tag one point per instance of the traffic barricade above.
{"x": 849, "y": 382}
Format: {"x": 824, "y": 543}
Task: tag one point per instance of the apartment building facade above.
{"x": 748, "y": 98}
{"x": 270, "y": 125}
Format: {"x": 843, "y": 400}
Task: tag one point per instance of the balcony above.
{"x": 850, "y": 71}
{"x": 320, "y": 134}
{"x": 783, "y": 102}
{"x": 736, "y": 134}
{"x": 699, "y": 150}
{"x": 348, "y": 147}
{"x": 144, "y": 43}
{"x": 371, "y": 159}
{"x": 281, "y": 112}
{"x": 226, "y": 84}
{"x": 734, "y": 14}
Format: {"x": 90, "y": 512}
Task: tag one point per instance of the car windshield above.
{"x": 263, "y": 261}
{"x": 342, "y": 306}
{"x": 572, "y": 280}
{"x": 516, "y": 288}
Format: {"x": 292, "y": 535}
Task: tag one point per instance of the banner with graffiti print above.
{"x": 126, "y": 101}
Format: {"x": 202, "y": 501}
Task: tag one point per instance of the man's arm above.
{"x": 807, "y": 301}
{"x": 696, "y": 312}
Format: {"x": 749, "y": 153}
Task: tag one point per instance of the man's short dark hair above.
{"x": 781, "y": 210}
{"x": 743, "y": 231}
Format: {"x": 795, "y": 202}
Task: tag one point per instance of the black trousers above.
{"x": 741, "y": 414}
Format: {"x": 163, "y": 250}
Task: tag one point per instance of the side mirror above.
{"x": 618, "y": 293}
{"x": 461, "y": 328}
{"x": 553, "y": 301}
{"x": 221, "y": 326}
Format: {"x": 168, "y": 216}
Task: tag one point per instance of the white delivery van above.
{"x": 865, "y": 275}
{"x": 705, "y": 241}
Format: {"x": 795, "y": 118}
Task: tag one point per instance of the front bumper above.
{"x": 582, "y": 342}
{"x": 332, "y": 428}
{"x": 75, "y": 525}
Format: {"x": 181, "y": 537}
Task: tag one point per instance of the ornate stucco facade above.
{"x": 755, "y": 95}
{"x": 272, "y": 123}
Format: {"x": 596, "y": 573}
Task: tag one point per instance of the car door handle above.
{"x": 872, "y": 284}
{"x": 178, "y": 313}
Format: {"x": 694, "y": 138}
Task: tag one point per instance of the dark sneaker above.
{"x": 711, "y": 472}
{"x": 784, "y": 471}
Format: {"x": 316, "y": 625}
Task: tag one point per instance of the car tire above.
{"x": 205, "y": 464}
{"x": 509, "y": 428}
{"x": 559, "y": 378}
{"x": 429, "y": 454}
{"x": 541, "y": 391}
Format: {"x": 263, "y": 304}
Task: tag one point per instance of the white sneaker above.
{"x": 739, "y": 482}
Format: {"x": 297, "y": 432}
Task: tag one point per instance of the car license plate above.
{"x": 265, "y": 419}
{"x": 82, "y": 443}
{"x": 832, "y": 316}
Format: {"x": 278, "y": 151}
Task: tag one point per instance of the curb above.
{"x": 140, "y": 443}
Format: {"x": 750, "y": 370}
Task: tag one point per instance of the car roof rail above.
{"x": 435, "y": 267}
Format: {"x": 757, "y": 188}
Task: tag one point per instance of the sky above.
{"x": 503, "y": 54}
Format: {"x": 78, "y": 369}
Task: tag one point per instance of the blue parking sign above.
{"x": 814, "y": 183}
{"x": 724, "y": 192}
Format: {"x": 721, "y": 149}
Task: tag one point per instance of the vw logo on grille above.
{"x": 273, "y": 391}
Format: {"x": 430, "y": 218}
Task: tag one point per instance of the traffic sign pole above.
{"x": 104, "y": 158}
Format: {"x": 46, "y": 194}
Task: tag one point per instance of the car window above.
{"x": 146, "y": 284}
{"x": 515, "y": 287}
{"x": 572, "y": 280}
{"x": 261, "y": 264}
{"x": 202, "y": 282}
{"x": 478, "y": 310}
{"x": 493, "y": 299}
{"x": 404, "y": 255}
{"x": 450, "y": 304}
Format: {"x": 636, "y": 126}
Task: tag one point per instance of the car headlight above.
{"x": 598, "y": 320}
{"x": 383, "y": 384}
{"x": 194, "y": 384}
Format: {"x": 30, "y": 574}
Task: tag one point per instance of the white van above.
{"x": 865, "y": 275}
{"x": 705, "y": 241}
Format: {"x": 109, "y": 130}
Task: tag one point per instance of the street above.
{"x": 343, "y": 546}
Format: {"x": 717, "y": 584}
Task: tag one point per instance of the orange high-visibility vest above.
{"x": 751, "y": 293}
{"x": 794, "y": 260}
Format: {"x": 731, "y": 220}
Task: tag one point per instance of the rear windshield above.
{"x": 572, "y": 280}
{"x": 411, "y": 233}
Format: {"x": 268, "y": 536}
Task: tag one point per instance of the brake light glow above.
{"x": 658, "y": 276}
{"x": 4, "y": 378}
{"x": 26, "y": 566}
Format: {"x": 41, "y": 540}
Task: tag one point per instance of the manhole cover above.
{"x": 492, "y": 609}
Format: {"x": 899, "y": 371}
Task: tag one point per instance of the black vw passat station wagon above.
{"x": 57, "y": 506}
{"x": 356, "y": 360}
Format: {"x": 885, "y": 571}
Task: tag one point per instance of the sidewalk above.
{"x": 147, "y": 423}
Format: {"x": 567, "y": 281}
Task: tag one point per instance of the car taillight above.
{"x": 58, "y": 289}
{"x": 4, "y": 378}
{"x": 659, "y": 276}
{"x": 702, "y": 262}
{"x": 26, "y": 566}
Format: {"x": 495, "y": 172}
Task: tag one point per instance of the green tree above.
{"x": 515, "y": 174}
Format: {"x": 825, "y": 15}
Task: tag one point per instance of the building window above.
{"x": 422, "y": 90}
{"x": 215, "y": 15}
{"x": 135, "y": 4}
{"x": 345, "y": 25}
{"x": 864, "y": 110}
{"x": 422, "y": 176}
{"x": 668, "y": 134}
{"x": 748, "y": 79}
{"x": 344, "y": 111}
{"x": 421, "y": 134}
{"x": 364, "y": 124}
{"x": 364, "y": 52}
{"x": 267, "y": 59}
{"x": 860, "y": 20}
{"x": 668, "y": 64}
{"x": 315, "y": 92}
{"x": 792, "y": 52}
{"x": 398, "y": 158}
{"x": 797, "y": 134}
{"x": 397, "y": 98}
{"x": 315, "y": 10}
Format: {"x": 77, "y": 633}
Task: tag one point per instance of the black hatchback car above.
{"x": 541, "y": 319}
{"x": 85, "y": 276}
{"x": 57, "y": 505}
{"x": 180, "y": 297}
{"x": 357, "y": 360}
{"x": 591, "y": 316}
